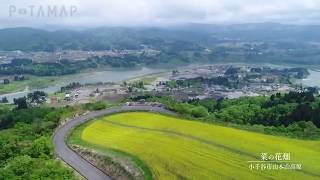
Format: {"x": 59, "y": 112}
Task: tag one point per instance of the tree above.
{"x": 141, "y": 84}
{"x": 174, "y": 72}
{"x": 20, "y": 166}
{"x": 41, "y": 147}
{"x": 310, "y": 129}
{"x": 52, "y": 170}
{"x": 21, "y": 103}
{"x": 37, "y": 97}
{"x": 130, "y": 89}
{"x": 199, "y": 111}
{"x": 4, "y": 100}
{"x": 8, "y": 147}
{"x": 19, "y": 78}
{"x": 6, "y": 81}
{"x": 219, "y": 104}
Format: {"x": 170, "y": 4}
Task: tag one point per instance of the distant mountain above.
{"x": 29, "y": 39}
{"x": 256, "y": 32}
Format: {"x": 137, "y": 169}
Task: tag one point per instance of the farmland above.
{"x": 174, "y": 148}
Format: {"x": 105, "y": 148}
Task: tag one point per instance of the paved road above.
{"x": 82, "y": 166}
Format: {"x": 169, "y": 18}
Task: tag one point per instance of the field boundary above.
{"x": 73, "y": 159}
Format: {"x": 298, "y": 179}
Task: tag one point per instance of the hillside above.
{"x": 174, "y": 148}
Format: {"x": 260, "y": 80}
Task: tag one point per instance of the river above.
{"x": 120, "y": 75}
{"x": 312, "y": 80}
{"x": 83, "y": 78}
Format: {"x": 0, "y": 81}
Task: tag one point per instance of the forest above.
{"x": 26, "y": 149}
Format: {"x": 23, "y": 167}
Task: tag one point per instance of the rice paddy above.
{"x": 173, "y": 148}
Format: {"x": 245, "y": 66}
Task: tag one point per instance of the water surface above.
{"x": 83, "y": 78}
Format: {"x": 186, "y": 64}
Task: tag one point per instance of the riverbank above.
{"x": 53, "y": 85}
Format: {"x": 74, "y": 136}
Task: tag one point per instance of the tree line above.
{"x": 295, "y": 114}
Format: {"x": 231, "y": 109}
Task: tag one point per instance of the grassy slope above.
{"x": 174, "y": 148}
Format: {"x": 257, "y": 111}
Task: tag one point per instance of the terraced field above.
{"x": 173, "y": 148}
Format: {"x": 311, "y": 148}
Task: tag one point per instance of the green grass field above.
{"x": 33, "y": 83}
{"x": 173, "y": 148}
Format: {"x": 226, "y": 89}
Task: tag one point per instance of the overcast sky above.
{"x": 93, "y": 13}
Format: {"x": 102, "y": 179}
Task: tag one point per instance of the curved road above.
{"x": 82, "y": 166}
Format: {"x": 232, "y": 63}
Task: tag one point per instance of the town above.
{"x": 6, "y": 57}
{"x": 188, "y": 83}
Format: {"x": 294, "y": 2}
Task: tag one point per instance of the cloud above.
{"x": 158, "y": 12}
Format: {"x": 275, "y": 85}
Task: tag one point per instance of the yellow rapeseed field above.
{"x": 174, "y": 148}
